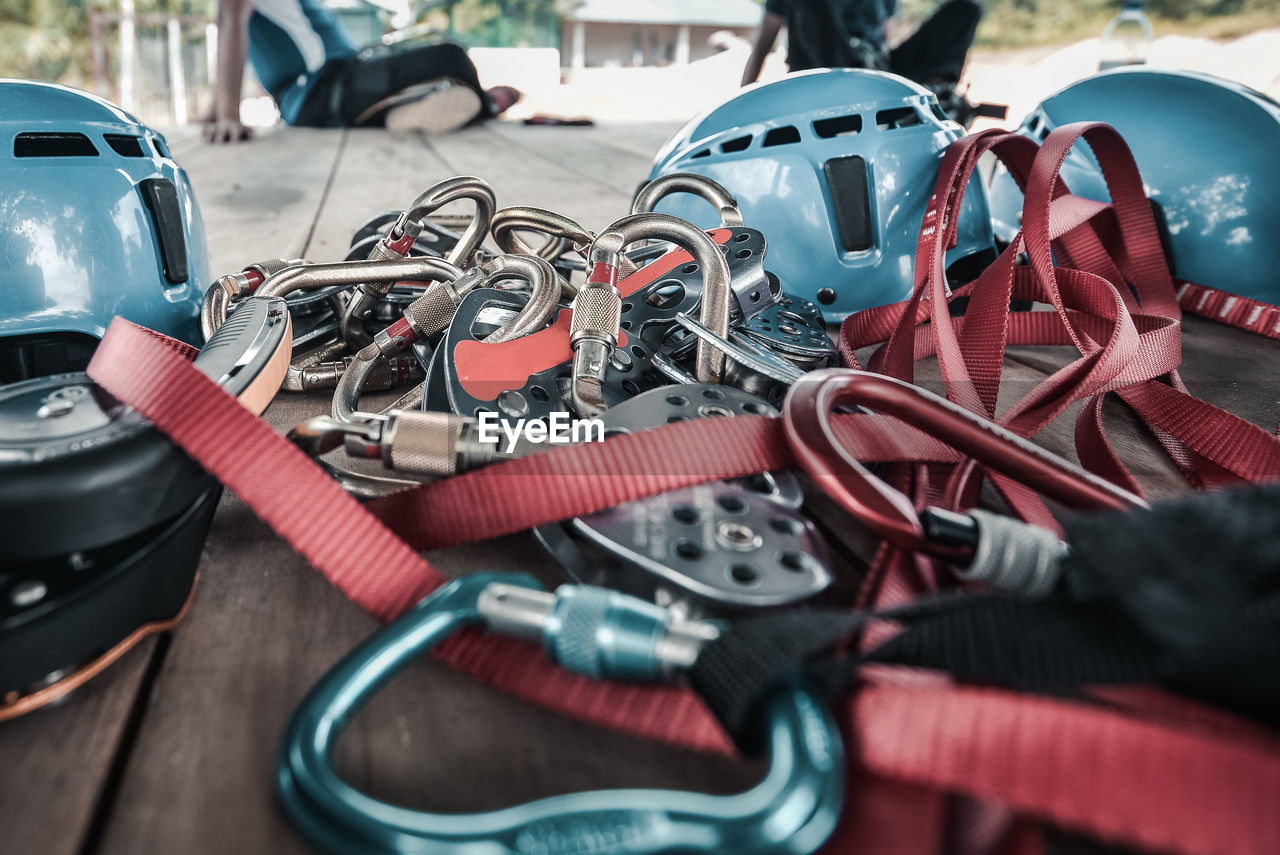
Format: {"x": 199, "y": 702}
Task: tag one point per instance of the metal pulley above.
{"x": 719, "y": 547}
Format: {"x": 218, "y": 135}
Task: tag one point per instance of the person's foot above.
{"x": 437, "y": 107}
{"x": 502, "y": 98}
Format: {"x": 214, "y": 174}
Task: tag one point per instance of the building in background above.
{"x": 362, "y": 19}
{"x": 650, "y": 32}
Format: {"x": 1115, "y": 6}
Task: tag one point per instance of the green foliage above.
{"x": 48, "y": 39}
{"x": 503, "y": 23}
{"x": 41, "y": 39}
{"x": 1017, "y": 23}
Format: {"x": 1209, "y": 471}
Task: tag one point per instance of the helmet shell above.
{"x": 96, "y": 219}
{"x": 835, "y": 167}
{"x": 1207, "y": 150}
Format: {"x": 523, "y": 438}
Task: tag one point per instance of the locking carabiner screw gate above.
{"x": 592, "y": 631}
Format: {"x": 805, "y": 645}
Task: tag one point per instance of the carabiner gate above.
{"x": 592, "y": 631}
{"x": 891, "y": 515}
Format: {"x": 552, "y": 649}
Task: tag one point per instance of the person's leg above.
{"x": 321, "y": 107}
{"x": 936, "y": 52}
{"x": 375, "y": 81}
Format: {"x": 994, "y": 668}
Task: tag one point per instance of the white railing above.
{"x": 160, "y": 67}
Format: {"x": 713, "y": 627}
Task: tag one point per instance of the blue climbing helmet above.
{"x": 96, "y": 220}
{"x": 1206, "y": 148}
{"x": 835, "y": 167}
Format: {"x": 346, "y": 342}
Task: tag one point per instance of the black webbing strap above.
{"x": 734, "y": 673}
{"x": 1043, "y": 646}
{"x": 1186, "y": 595}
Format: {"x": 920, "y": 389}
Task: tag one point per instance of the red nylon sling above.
{"x": 1241, "y": 312}
{"x": 1121, "y": 771}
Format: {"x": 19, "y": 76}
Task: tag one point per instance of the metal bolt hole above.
{"x": 688, "y": 550}
{"x": 793, "y": 561}
{"x": 732, "y": 504}
{"x": 686, "y": 514}
{"x": 785, "y": 525}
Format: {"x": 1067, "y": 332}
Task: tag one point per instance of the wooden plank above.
{"x": 521, "y": 178}
{"x": 642, "y": 139}
{"x": 57, "y": 760}
{"x": 379, "y": 171}
{"x": 597, "y": 155}
{"x": 265, "y": 627}
{"x": 259, "y": 199}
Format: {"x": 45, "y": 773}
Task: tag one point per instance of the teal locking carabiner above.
{"x": 594, "y": 631}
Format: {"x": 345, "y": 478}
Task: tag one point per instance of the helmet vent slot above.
{"x": 898, "y": 117}
{"x": 126, "y": 145}
{"x": 706, "y": 152}
{"x": 53, "y": 145}
{"x": 839, "y": 126}
{"x": 736, "y": 144}
{"x": 781, "y": 136}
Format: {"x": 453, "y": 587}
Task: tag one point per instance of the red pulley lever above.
{"x": 808, "y": 412}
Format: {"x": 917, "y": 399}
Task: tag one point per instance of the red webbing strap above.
{"x": 285, "y": 488}
{"x": 1121, "y": 778}
{"x": 1240, "y": 312}
{"x": 378, "y": 570}
{"x": 934, "y": 740}
{"x": 1118, "y": 776}
{"x": 1128, "y": 341}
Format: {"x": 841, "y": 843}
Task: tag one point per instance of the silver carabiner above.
{"x": 402, "y": 235}
{"x": 236, "y": 286}
{"x": 432, "y": 312}
{"x": 591, "y": 358}
{"x": 561, "y": 231}
{"x": 688, "y": 182}
{"x": 452, "y": 190}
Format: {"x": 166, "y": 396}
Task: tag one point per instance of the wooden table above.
{"x": 172, "y": 750}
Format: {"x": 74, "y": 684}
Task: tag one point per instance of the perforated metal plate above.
{"x": 792, "y": 326}
{"x": 722, "y": 546}
{"x": 732, "y": 543}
